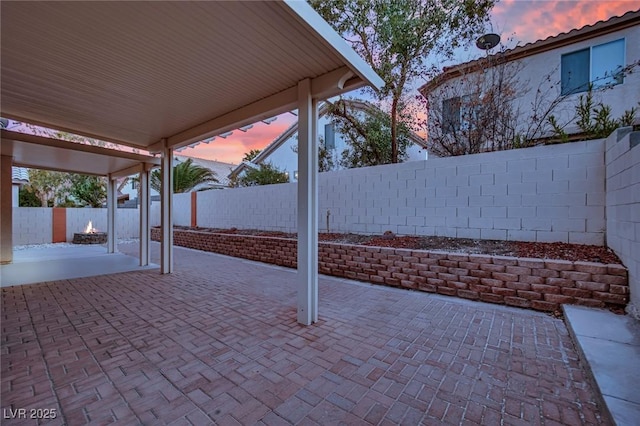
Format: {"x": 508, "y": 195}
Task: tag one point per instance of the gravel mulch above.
{"x": 563, "y": 251}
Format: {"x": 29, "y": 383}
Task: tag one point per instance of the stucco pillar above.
{"x": 145, "y": 232}
{"x": 307, "y": 205}
{"x": 6, "y": 210}
{"x": 166, "y": 198}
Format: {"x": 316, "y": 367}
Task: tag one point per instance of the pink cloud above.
{"x": 232, "y": 148}
{"x": 529, "y": 21}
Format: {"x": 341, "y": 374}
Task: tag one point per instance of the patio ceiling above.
{"x": 45, "y": 153}
{"x": 140, "y": 73}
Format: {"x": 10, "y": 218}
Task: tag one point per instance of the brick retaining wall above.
{"x": 528, "y": 283}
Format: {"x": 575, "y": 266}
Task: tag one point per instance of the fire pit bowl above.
{"x": 89, "y": 238}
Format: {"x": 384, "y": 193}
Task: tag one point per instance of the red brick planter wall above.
{"x": 527, "y": 283}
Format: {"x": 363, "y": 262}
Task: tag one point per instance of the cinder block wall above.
{"x": 271, "y": 207}
{"x": 181, "y": 209}
{"x": 548, "y": 193}
{"x": 623, "y": 206}
{"x": 77, "y": 220}
{"x": 127, "y": 221}
{"x": 32, "y": 225}
{"x": 155, "y": 213}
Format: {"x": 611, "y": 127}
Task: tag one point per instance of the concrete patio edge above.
{"x": 608, "y": 346}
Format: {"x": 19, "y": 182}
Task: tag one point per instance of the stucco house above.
{"x": 281, "y": 152}
{"x": 539, "y": 79}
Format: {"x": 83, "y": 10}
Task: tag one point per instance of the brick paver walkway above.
{"x": 217, "y": 341}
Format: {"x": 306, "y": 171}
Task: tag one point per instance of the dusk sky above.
{"x": 524, "y": 21}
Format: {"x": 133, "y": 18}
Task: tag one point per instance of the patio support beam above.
{"x": 6, "y": 210}
{"x": 166, "y": 199}
{"x": 112, "y": 204}
{"x": 145, "y": 232}
{"x": 321, "y": 87}
{"x": 307, "y": 205}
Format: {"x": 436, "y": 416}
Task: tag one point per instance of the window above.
{"x": 329, "y": 137}
{"x": 459, "y": 112}
{"x": 451, "y": 114}
{"x": 599, "y": 65}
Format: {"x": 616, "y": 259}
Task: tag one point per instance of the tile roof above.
{"x": 19, "y": 175}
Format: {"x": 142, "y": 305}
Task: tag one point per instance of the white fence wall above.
{"x": 77, "y": 220}
{"x": 623, "y": 206}
{"x": 181, "y": 209}
{"x": 271, "y": 207}
{"x": 32, "y": 225}
{"x": 548, "y": 193}
{"x": 127, "y": 221}
{"x": 155, "y": 214}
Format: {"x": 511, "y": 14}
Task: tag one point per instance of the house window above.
{"x": 329, "y": 136}
{"x": 459, "y": 112}
{"x": 451, "y": 114}
{"x": 599, "y": 65}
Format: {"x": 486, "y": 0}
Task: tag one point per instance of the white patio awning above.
{"x": 136, "y": 73}
{"x": 39, "y": 152}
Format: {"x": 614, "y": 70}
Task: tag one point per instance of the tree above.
{"x": 186, "y": 176}
{"x": 483, "y": 109}
{"x": 88, "y": 190}
{"x": 368, "y": 135}
{"x": 326, "y": 161}
{"x": 51, "y": 188}
{"x": 27, "y": 198}
{"x": 267, "y": 174}
{"x": 477, "y": 111}
{"x": 249, "y": 156}
{"x": 396, "y": 37}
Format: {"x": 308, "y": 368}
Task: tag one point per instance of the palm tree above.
{"x": 186, "y": 176}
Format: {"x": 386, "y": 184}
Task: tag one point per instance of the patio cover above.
{"x": 39, "y": 152}
{"x": 162, "y": 75}
{"x": 54, "y": 154}
{"x": 136, "y": 73}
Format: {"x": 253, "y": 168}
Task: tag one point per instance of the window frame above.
{"x": 565, "y": 91}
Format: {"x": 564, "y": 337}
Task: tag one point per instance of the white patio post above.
{"x": 6, "y": 210}
{"x": 112, "y": 204}
{"x": 145, "y": 232}
{"x": 307, "y": 205}
{"x": 166, "y": 198}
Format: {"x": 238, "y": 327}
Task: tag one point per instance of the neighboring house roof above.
{"x": 576, "y": 35}
{"x": 218, "y": 167}
{"x": 293, "y": 129}
{"x": 19, "y": 175}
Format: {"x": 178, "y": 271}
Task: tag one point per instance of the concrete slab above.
{"x": 609, "y": 345}
{"x": 43, "y": 264}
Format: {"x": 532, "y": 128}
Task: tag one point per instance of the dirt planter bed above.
{"x": 541, "y": 284}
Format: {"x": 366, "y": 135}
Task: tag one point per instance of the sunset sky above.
{"x": 523, "y": 21}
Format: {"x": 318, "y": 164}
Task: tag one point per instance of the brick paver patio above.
{"x": 217, "y": 342}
